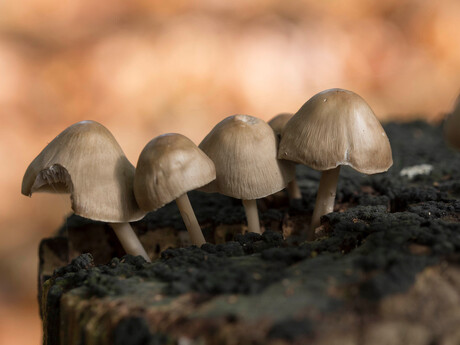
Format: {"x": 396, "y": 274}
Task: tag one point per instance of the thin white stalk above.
{"x": 129, "y": 240}
{"x": 252, "y": 215}
{"x": 294, "y": 190}
{"x": 324, "y": 199}
{"x": 190, "y": 221}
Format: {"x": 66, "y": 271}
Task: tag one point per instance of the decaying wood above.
{"x": 385, "y": 268}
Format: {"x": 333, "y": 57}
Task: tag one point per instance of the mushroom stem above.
{"x": 129, "y": 240}
{"x": 324, "y": 199}
{"x": 294, "y": 190}
{"x": 190, "y": 221}
{"x": 252, "y": 215}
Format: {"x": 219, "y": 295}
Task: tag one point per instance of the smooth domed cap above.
{"x": 243, "y": 149}
{"x": 336, "y": 127}
{"x": 86, "y": 161}
{"x": 170, "y": 165}
{"x": 452, "y": 127}
{"x": 278, "y": 122}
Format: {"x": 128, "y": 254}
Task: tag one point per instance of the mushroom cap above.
{"x": 170, "y": 165}
{"x": 278, "y": 122}
{"x": 86, "y": 161}
{"x": 243, "y": 149}
{"x": 452, "y": 126}
{"x": 336, "y": 127}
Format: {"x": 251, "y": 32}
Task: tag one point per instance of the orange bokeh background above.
{"x": 143, "y": 68}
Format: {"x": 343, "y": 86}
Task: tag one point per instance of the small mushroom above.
{"x": 243, "y": 149}
{"x": 86, "y": 161}
{"x": 333, "y": 128}
{"x": 452, "y": 127}
{"x": 277, "y": 124}
{"x": 169, "y": 166}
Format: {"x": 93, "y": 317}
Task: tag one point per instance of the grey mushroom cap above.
{"x": 336, "y": 127}
{"x": 278, "y": 122}
{"x": 86, "y": 161}
{"x": 244, "y": 149}
{"x": 169, "y": 166}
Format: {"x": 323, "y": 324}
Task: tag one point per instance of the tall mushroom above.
{"x": 243, "y": 149}
{"x": 333, "y": 128}
{"x": 86, "y": 161}
{"x": 277, "y": 123}
{"x": 452, "y": 127}
{"x": 169, "y": 166}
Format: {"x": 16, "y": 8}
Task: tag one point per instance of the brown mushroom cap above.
{"x": 86, "y": 161}
{"x": 243, "y": 149}
{"x": 170, "y": 165}
{"x": 452, "y": 126}
{"x": 336, "y": 127}
{"x": 278, "y": 122}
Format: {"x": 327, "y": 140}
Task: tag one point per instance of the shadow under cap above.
{"x": 244, "y": 149}
{"x": 169, "y": 166}
{"x": 86, "y": 161}
{"x": 336, "y": 127}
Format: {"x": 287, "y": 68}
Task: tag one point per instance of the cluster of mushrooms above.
{"x": 242, "y": 157}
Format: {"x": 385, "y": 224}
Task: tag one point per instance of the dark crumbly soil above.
{"x": 390, "y": 237}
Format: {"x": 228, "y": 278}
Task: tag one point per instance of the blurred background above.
{"x": 143, "y": 68}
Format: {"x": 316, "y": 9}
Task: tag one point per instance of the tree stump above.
{"x": 385, "y": 268}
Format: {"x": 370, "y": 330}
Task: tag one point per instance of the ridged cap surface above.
{"x": 336, "y": 127}
{"x": 86, "y": 161}
{"x": 243, "y": 149}
{"x": 170, "y": 165}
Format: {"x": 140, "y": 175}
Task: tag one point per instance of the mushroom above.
{"x": 277, "y": 123}
{"x": 169, "y": 166}
{"x": 333, "y": 128}
{"x": 452, "y": 127}
{"x": 243, "y": 149}
{"x": 86, "y": 161}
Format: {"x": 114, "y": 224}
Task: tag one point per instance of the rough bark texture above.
{"x": 385, "y": 268}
